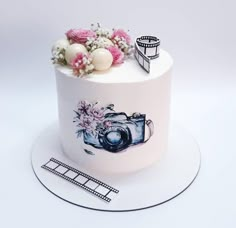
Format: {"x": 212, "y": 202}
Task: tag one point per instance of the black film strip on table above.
{"x": 83, "y": 180}
{"x": 146, "y": 48}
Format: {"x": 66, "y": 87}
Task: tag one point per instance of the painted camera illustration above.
{"x": 103, "y": 128}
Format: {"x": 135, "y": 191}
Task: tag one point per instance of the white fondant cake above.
{"x": 116, "y": 120}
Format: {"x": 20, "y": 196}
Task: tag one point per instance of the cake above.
{"x": 113, "y": 99}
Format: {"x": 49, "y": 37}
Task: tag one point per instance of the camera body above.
{"x": 123, "y": 131}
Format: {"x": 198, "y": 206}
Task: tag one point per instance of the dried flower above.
{"x": 117, "y": 54}
{"x": 101, "y": 32}
{"x": 80, "y": 35}
{"x": 120, "y": 34}
{"x": 99, "y": 42}
{"x": 58, "y": 56}
{"x": 82, "y": 64}
{"x": 117, "y": 41}
{"x": 122, "y": 40}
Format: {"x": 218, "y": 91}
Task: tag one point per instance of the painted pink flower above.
{"x": 83, "y": 107}
{"x": 107, "y": 123}
{"x": 117, "y": 54}
{"x": 80, "y": 35}
{"x": 87, "y": 123}
{"x": 96, "y": 113}
{"x": 120, "y": 33}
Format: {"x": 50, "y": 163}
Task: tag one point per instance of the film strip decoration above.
{"x": 146, "y": 48}
{"x": 82, "y": 180}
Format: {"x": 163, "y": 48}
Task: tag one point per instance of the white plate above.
{"x": 150, "y": 187}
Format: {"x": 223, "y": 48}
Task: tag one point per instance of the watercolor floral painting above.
{"x": 104, "y": 128}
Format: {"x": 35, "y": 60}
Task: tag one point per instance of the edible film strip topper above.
{"x": 83, "y": 180}
{"x": 146, "y": 48}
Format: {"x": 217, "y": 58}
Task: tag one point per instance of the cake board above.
{"x": 152, "y": 186}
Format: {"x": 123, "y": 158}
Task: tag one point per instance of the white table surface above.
{"x": 203, "y": 101}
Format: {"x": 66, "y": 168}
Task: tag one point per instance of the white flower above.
{"x": 58, "y": 57}
{"x": 89, "y": 67}
{"x": 81, "y": 72}
{"x": 117, "y": 38}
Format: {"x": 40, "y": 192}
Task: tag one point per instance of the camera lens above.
{"x": 115, "y": 138}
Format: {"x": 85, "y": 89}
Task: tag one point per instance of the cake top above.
{"x": 129, "y": 72}
{"x": 92, "y": 52}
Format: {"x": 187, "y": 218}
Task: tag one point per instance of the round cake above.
{"x": 113, "y": 117}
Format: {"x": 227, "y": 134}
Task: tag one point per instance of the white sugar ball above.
{"x": 102, "y": 59}
{"x": 73, "y": 50}
{"x": 60, "y": 44}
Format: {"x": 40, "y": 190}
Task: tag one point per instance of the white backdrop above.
{"x": 201, "y": 37}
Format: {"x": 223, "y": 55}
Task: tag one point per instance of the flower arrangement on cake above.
{"x": 95, "y": 49}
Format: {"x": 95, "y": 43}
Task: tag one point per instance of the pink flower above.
{"x": 83, "y": 107}
{"x": 121, "y": 34}
{"x": 107, "y": 123}
{"x": 81, "y": 64}
{"x": 78, "y": 63}
{"x": 96, "y": 113}
{"x": 117, "y": 54}
{"x": 80, "y": 35}
{"x": 87, "y": 123}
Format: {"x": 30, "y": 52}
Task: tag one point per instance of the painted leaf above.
{"x": 77, "y": 113}
{"x": 79, "y": 132}
{"x": 110, "y": 107}
{"x": 89, "y": 152}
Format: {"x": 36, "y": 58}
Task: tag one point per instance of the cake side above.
{"x": 113, "y": 98}
{"x": 151, "y": 98}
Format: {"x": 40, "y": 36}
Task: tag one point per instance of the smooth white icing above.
{"x": 131, "y": 90}
{"x": 128, "y": 72}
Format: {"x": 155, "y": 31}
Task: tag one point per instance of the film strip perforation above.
{"x": 73, "y": 180}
